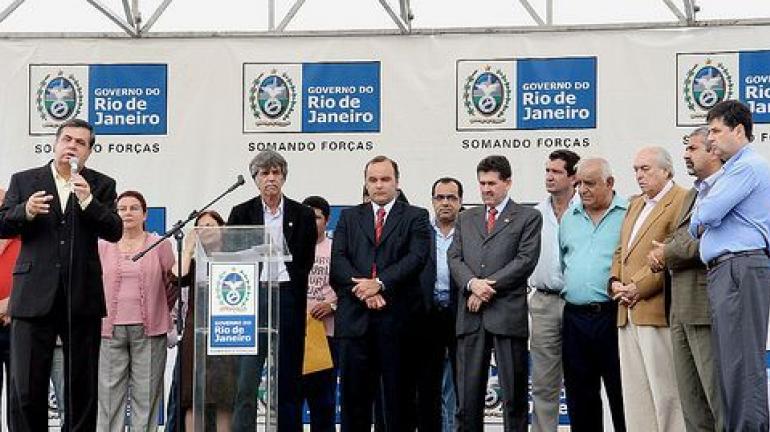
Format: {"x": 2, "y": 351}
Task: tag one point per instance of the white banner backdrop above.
{"x": 179, "y": 119}
{"x": 184, "y": 126}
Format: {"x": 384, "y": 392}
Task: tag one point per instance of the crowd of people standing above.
{"x": 660, "y": 298}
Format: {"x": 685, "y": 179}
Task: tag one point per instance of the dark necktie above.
{"x": 491, "y": 220}
{"x": 378, "y": 224}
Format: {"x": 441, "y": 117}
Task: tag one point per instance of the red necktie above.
{"x": 491, "y": 220}
{"x": 378, "y": 224}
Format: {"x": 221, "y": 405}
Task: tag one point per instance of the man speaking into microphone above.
{"x": 60, "y": 210}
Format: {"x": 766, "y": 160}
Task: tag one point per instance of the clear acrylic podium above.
{"x": 235, "y": 356}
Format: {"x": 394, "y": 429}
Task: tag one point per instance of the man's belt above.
{"x": 730, "y": 255}
{"x": 593, "y": 308}
{"x": 548, "y": 291}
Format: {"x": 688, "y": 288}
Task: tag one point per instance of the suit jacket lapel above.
{"x": 504, "y": 219}
{"x": 258, "y": 212}
{"x": 687, "y": 204}
{"x": 480, "y": 220}
{"x": 47, "y": 183}
{"x": 660, "y": 207}
{"x": 289, "y": 219}
{"x": 366, "y": 220}
{"x": 625, "y": 233}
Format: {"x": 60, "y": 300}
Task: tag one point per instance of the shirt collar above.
{"x": 500, "y": 207}
{"x": 436, "y": 228}
{"x": 279, "y": 210}
{"x": 56, "y": 176}
{"x": 660, "y": 195}
{"x": 548, "y": 203}
{"x": 387, "y": 207}
{"x": 738, "y": 155}
{"x": 709, "y": 181}
{"x": 617, "y": 202}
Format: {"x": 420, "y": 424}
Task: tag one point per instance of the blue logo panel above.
{"x": 156, "y": 220}
{"x": 341, "y": 97}
{"x": 235, "y": 331}
{"x": 556, "y": 93}
{"x": 128, "y": 99}
{"x": 754, "y": 83}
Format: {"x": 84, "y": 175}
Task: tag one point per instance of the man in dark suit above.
{"x": 379, "y": 250}
{"x": 432, "y": 322}
{"x": 44, "y": 206}
{"x": 495, "y": 248}
{"x": 293, "y": 222}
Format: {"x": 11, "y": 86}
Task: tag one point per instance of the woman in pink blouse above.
{"x": 138, "y": 297}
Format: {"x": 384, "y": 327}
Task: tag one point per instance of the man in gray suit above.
{"x": 689, "y": 316}
{"x": 495, "y": 248}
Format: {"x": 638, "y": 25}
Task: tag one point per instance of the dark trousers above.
{"x": 590, "y": 356}
{"x": 291, "y": 352}
{"x": 739, "y": 293}
{"x": 5, "y": 363}
{"x": 320, "y": 391}
{"x": 371, "y": 364}
{"x": 32, "y": 346}
{"x": 173, "y": 422}
{"x": 473, "y": 358}
{"x": 431, "y": 338}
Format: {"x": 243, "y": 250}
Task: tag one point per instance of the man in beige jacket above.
{"x": 650, "y": 396}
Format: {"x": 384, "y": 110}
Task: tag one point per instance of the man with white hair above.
{"x": 650, "y": 395}
{"x": 588, "y": 236}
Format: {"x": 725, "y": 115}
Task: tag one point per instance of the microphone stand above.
{"x": 73, "y": 204}
{"x": 178, "y": 234}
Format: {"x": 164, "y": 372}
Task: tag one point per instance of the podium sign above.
{"x": 235, "y": 323}
{"x": 233, "y": 313}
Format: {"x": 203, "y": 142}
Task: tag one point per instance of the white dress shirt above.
{"x": 274, "y": 225}
{"x": 649, "y": 205}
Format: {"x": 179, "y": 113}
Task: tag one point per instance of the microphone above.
{"x": 237, "y": 184}
{"x": 73, "y": 165}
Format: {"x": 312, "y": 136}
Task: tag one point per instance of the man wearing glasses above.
{"x": 433, "y": 314}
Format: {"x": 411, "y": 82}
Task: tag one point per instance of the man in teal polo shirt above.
{"x": 588, "y": 236}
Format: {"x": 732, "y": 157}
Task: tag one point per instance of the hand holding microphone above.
{"x": 80, "y": 186}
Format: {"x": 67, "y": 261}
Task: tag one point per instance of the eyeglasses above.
{"x": 450, "y": 198}
{"x": 133, "y": 208}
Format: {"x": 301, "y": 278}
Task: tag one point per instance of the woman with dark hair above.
{"x": 138, "y": 298}
{"x": 220, "y": 375}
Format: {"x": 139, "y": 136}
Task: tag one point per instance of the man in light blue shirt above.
{"x": 589, "y": 233}
{"x": 431, "y": 340}
{"x": 732, "y": 220}
{"x": 545, "y": 302}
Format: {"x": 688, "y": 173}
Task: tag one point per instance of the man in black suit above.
{"x": 44, "y": 206}
{"x": 293, "y": 222}
{"x": 379, "y": 250}
{"x": 495, "y": 248}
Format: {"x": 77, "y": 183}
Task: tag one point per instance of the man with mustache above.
{"x": 494, "y": 250}
{"x": 689, "y": 314}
